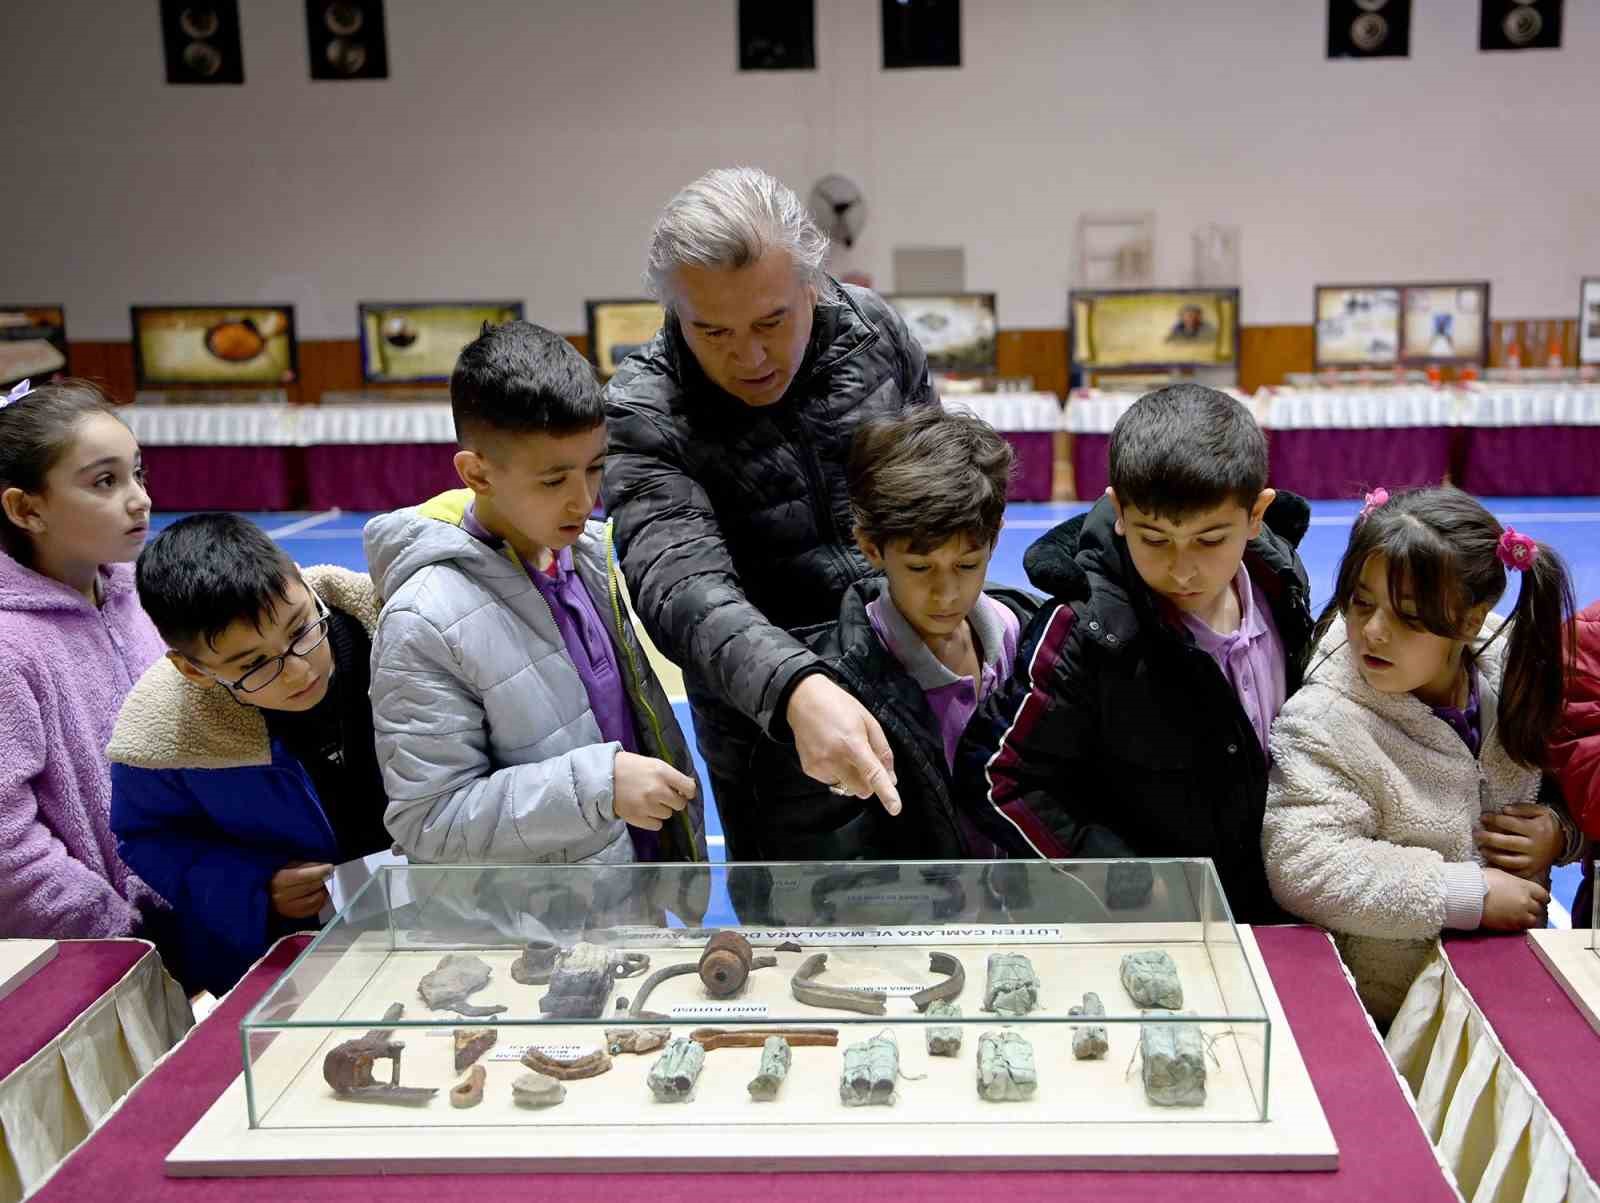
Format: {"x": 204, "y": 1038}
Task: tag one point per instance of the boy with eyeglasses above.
{"x": 242, "y": 764}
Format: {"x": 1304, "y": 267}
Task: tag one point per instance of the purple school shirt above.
{"x": 1465, "y": 722}
{"x": 1251, "y": 658}
{"x": 952, "y": 699}
{"x": 586, "y": 636}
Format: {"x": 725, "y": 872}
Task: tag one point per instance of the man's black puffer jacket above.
{"x": 733, "y": 521}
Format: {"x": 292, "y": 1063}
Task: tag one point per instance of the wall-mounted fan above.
{"x": 839, "y": 208}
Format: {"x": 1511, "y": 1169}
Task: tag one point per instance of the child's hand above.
{"x": 298, "y": 891}
{"x": 1512, "y": 903}
{"x": 1523, "y": 839}
{"x": 646, "y": 792}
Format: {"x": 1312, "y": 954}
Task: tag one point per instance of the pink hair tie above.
{"x": 1516, "y": 551}
{"x": 1374, "y": 499}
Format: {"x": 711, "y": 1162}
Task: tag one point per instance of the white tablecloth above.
{"x": 1016, "y": 412}
{"x": 348, "y": 421}
{"x": 1491, "y": 404}
{"x": 1488, "y": 1123}
{"x": 53, "y": 1100}
{"x": 289, "y": 425}
{"x": 1090, "y": 411}
{"x": 1478, "y": 405}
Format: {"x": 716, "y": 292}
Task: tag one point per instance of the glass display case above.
{"x": 833, "y": 950}
{"x": 784, "y": 1011}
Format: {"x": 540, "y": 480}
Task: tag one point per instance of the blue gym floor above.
{"x": 1570, "y": 524}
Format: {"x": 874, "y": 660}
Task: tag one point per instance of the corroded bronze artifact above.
{"x": 775, "y": 1058}
{"x": 1006, "y": 1072}
{"x": 1013, "y": 987}
{"x": 1151, "y": 980}
{"x": 673, "y": 1076}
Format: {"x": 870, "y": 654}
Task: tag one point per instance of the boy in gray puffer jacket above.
{"x": 516, "y": 716}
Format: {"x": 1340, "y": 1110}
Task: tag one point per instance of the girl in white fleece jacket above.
{"x": 1405, "y": 771}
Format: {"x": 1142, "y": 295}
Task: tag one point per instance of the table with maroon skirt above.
{"x": 372, "y": 451}
{"x": 1497, "y": 440}
{"x": 1383, "y": 1151}
{"x": 1028, "y": 421}
{"x": 74, "y": 1038}
{"x": 354, "y": 452}
{"x": 1542, "y": 1031}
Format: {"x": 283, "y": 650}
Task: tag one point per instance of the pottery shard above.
{"x": 472, "y": 1043}
{"x": 1006, "y": 1072}
{"x": 775, "y": 1058}
{"x": 1174, "y": 1064}
{"x": 1151, "y": 980}
{"x": 1089, "y": 1043}
{"x": 453, "y": 981}
{"x": 537, "y": 1090}
{"x": 1013, "y": 987}
{"x": 943, "y": 1041}
{"x": 675, "y": 1072}
{"x": 636, "y": 1040}
{"x": 470, "y": 1092}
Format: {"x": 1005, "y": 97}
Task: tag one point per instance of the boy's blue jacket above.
{"x": 206, "y": 807}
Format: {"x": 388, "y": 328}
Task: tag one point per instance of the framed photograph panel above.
{"x": 1154, "y": 329}
{"x": 1357, "y": 325}
{"x": 618, "y": 327}
{"x": 957, "y": 330}
{"x": 33, "y": 343}
{"x": 1445, "y": 323}
{"x": 1589, "y": 321}
{"x": 214, "y": 346}
{"x": 417, "y": 342}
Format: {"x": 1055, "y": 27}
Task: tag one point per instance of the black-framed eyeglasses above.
{"x": 268, "y": 671}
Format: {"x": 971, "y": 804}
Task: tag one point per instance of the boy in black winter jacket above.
{"x": 1136, "y": 722}
{"x": 921, "y": 645}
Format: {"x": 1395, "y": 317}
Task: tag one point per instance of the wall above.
{"x": 521, "y": 148}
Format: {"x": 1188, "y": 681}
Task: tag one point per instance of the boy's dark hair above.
{"x": 208, "y": 571}
{"x": 519, "y": 378}
{"x": 1441, "y": 547}
{"x": 928, "y": 476}
{"x": 1185, "y": 449}
{"x": 35, "y": 432}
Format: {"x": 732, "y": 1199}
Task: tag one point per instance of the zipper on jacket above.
{"x": 808, "y": 460}
{"x": 511, "y": 554}
{"x": 618, "y": 618}
{"x": 805, "y": 450}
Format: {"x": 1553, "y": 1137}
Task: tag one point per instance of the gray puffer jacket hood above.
{"x": 490, "y": 750}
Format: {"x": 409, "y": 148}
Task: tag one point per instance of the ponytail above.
{"x": 1451, "y": 556}
{"x": 1539, "y": 658}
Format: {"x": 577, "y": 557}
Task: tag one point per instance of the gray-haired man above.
{"x": 729, "y": 435}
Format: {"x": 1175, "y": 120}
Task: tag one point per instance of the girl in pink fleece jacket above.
{"x": 73, "y": 640}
